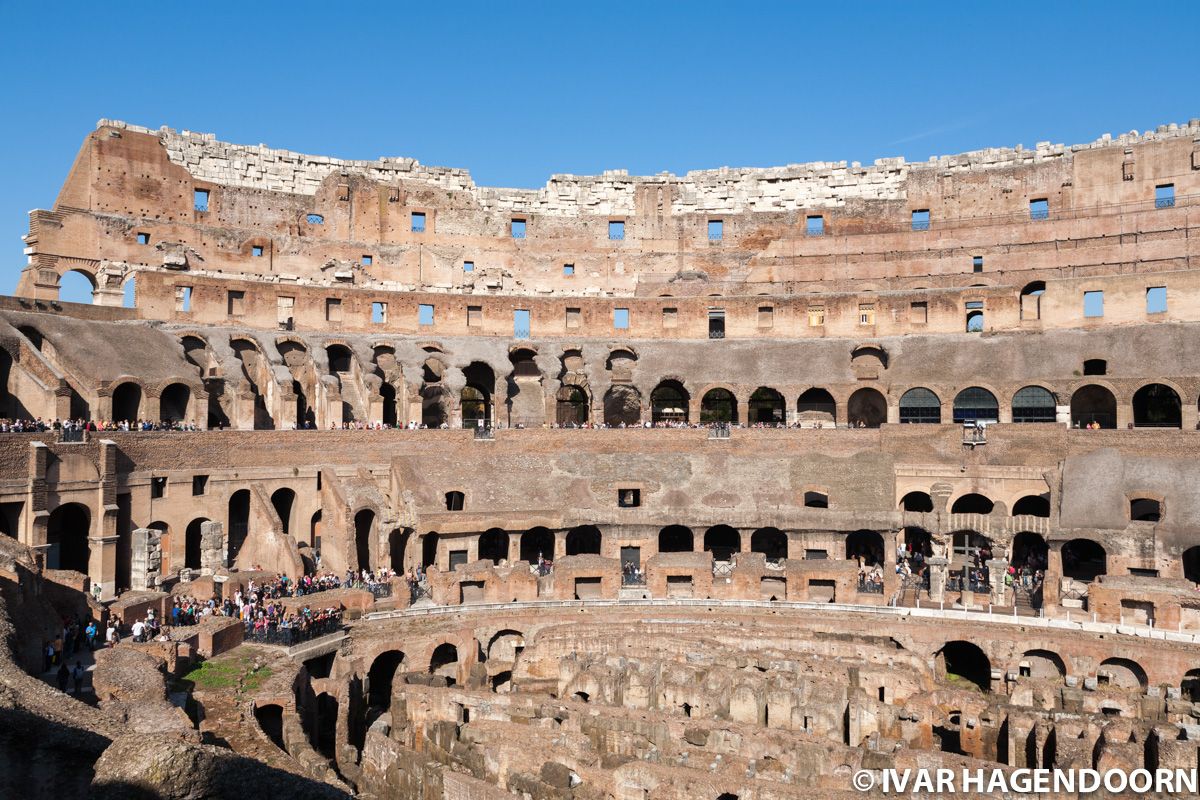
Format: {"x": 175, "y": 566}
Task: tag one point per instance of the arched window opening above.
{"x": 1033, "y": 505}
{"x": 454, "y": 501}
{"x": 1031, "y": 300}
{"x": 239, "y": 523}
{"x": 767, "y": 407}
{"x": 976, "y": 404}
{"x": 173, "y": 403}
{"x": 67, "y": 533}
{"x": 1157, "y": 406}
{"x": 572, "y": 407}
{"x": 1190, "y": 686}
{"x": 1145, "y": 509}
{"x": 76, "y": 287}
{"x": 1191, "y": 564}
{"x": 866, "y": 547}
{"x": 493, "y": 545}
{"x": 364, "y": 529}
{"x": 675, "y": 539}
{"x": 1034, "y": 404}
{"x": 1123, "y": 673}
{"x": 816, "y": 405}
{"x": 622, "y": 407}
{"x": 920, "y": 405}
{"x": 381, "y": 676}
{"x": 340, "y": 358}
{"x": 584, "y": 539}
{"x": 387, "y": 393}
{"x": 867, "y": 408}
{"x": 476, "y": 408}
{"x": 524, "y": 363}
{"x": 127, "y": 402}
{"x": 397, "y": 548}
{"x": 1029, "y": 552}
{"x": 917, "y": 501}
{"x": 1083, "y": 560}
{"x": 722, "y": 541}
{"x": 444, "y": 662}
{"x": 537, "y": 544}
{"x": 192, "y": 541}
{"x": 975, "y": 320}
{"x": 429, "y": 550}
{"x": 771, "y": 542}
{"x": 669, "y": 403}
{"x": 972, "y": 504}
{"x": 1042, "y": 665}
{"x": 718, "y": 405}
{"x": 1093, "y": 406}
{"x": 965, "y": 662}
{"x": 283, "y": 500}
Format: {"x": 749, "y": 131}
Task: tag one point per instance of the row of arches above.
{"x": 1033, "y": 505}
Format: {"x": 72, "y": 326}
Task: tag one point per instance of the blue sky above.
{"x": 516, "y": 92}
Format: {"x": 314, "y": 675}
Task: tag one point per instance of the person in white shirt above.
{"x": 139, "y": 630}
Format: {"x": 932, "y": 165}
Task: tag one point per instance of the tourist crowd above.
{"x": 40, "y": 425}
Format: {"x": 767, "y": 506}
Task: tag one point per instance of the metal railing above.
{"x": 920, "y": 226}
{"x": 719, "y": 431}
{"x": 485, "y": 432}
{"x": 722, "y": 569}
{"x": 1164, "y": 202}
{"x": 636, "y": 578}
{"x": 288, "y": 636}
{"x": 715, "y": 334}
{"x": 1040, "y": 214}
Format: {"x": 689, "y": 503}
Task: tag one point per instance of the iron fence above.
{"x": 290, "y": 635}
{"x": 1164, "y": 202}
{"x": 870, "y": 587}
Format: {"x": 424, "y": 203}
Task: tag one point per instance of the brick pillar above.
{"x": 997, "y": 569}
{"x": 938, "y": 569}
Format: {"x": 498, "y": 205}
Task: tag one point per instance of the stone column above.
{"x": 938, "y": 569}
{"x": 212, "y": 547}
{"x": 997, "y": 569}
{"x": 102, "y": 566}
{"x": 145, "y": 559}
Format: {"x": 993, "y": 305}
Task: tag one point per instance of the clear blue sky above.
{"x": 516, "y": 92}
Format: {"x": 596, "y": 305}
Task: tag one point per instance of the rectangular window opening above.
{"x": 670, "y": 317}
{"x": 977, "y": 263}
{"x": 920, "y": 219}
{"x": 333, "y": 309}
{"x": 158, "y": 488}
{"x": 518, "y": 229}
{"x": 521, "y": 327}
{"x": 418, "y": 222}
{"x": 568, "y": 270}
{"x": 866, "y": 313}
{"x": 143, "y": 238}
{"x": 1039, "y": 209}
{"x": 1156, "y": 300}
{"x": 1164, "y": 196}
{"x": 716, "y": 323}
{"x": 468, "y": 266}
{"x": 200, "y": 199}
{"x": 199, "y": 485}
{"x": 474, "y": 316}
{"x": 235, "y": 304}
{"x": 816, "y": 316}
{"x": 629, "y": 498}
{"x": 616, "y": 230}
{"x": 573, "y": 318}
{"x": 716, "y": 230}
{"x": 621, "y": 319}
{"x": 1093, "y": 304}
{"x": 379, "y": 313}
{"x": 918, "y": 312}
{"x": 284, "y": 307}
{"x": 424, "y": 314}
{"x": 766, "y": 316}
{"x": 183, "y": 298}
{"x": 814, "y": 225}
{"x": 256, "y": 251}
{"x": 367, "y": 261}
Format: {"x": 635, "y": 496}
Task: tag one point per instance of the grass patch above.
{"x": 233, "y": 671}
